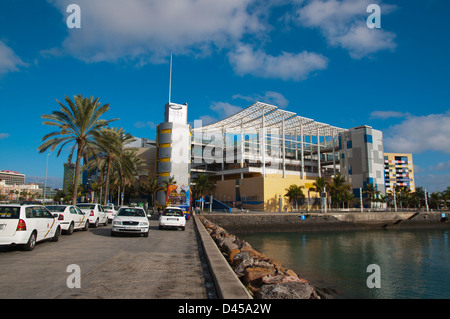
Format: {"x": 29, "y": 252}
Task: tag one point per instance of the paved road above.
{"x": 167, "y": 264}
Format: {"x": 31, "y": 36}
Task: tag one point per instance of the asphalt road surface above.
{"x": 165, "y": 265}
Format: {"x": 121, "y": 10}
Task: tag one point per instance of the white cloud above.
{"x": 417, "y": 134}
{"x": 287, "y": 66}
{"x": 147, "y": 30}
{"x": 343, "y": 24}
{"x": 387, "y": 114}
{"x": 3, "y": 136}
{"x": 9, "y": 61}
{"x": 148, "y": 124}
{"x": 224, "y": 109}
{"x": 269, "y": 97}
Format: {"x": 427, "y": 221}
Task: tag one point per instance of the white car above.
{"x": 110, "y": 210}
{"x": 27, "y": 224}
{"x": 70, "y": 218}
{"x": 131, "y": 220}
{"x": 172, "y": 217}
{"x": 95, "y": 212}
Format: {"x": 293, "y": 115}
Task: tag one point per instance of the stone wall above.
{"x": 279, "y": 222}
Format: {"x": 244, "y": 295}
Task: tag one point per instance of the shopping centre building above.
{"x": 255, "y": 154}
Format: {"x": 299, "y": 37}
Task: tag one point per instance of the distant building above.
{"x": 69, "y": 176}
{"x": 362, "y": 158}
{"x": 398, "y": 171}
{"x": 12, "y": 177}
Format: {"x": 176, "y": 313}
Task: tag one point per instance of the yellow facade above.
{"x": 399, "y": 171}
{"x": 261, "y": 193}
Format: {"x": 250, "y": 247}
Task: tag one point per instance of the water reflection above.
{"x": 413, "y": 263}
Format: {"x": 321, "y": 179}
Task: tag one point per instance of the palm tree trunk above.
{"x": 77, "y": 175}
{"x": 108, "y": 169}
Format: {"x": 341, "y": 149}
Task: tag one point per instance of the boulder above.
{"x": 253, "y": 275}
{"x": 286, "y": 290}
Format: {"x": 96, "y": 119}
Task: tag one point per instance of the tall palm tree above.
{"x": 77, "y": 124}
{"x": 107, "y": 151}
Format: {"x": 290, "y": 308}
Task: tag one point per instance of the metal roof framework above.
{"x": 262, "y": 115}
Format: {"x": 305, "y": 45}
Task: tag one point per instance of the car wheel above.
{"x": 86, "y": 226}
{"x": 29, "y": 246}
{"x": 146, "y": 234}
{"x": 96, "y": 223}
{"x": 70, "y": 230}
{"x": 56, "y": 236}
{"x": 182, "y": 228}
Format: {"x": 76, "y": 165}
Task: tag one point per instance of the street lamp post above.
{"x": 45, "y": 183}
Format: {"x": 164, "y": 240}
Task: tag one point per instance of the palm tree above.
{"x": 202, "y": 186}
{"x": 347, "y": 197}
{"x": 338, "y": 187}
{"x": 107, "y": 151}
{"x": 126, "y": 168}
{"x": 78, "y": 123}
{"x": 167, "y": 182}
{"x": 294, "y": 193}
{"x": 372, "y": 191}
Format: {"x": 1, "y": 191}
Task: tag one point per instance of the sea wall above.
{"x": 263, "y": 277}
{"x": 282, "y": 222}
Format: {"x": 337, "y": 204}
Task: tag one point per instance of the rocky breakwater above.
{"x": 264, "y": 277}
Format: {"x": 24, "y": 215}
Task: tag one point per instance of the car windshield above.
{"x": 173, "y": 212}
{"x": 131, "y": 212}
{"x": 107, "y": 207}
{"x": 86, "y": 206}
{"x": 56, "y": 209}
{"x": 9, "y": 212}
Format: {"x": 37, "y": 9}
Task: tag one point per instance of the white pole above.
{"x": 426, "y": 200}
{"x": 361, "y": 200}
{"x": 45, "y": 183}
{"x": 395, "y": 202}
{"x": 170, "y": 78}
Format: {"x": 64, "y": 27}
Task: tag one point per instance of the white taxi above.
{"x": 131, "y": 220}
{"x": 95, "y": 212}
{"x": 70, "y": 218}
{"x": 26, "y": 225}
{"x": 172, "y": 217}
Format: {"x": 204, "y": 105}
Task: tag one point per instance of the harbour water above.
{"x": 413, "y": 264}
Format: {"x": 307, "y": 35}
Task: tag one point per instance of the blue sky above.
{"x": 317, "y": 58}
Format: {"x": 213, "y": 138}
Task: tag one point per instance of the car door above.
{"x": 102, "y": 214}
{"x": 50, "y": 223}
{"x": 82, "y": 217}
{"x": 39, "y": 222}
{"x": 74, "y": 217}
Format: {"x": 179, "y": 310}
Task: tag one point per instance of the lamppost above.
{"x": 45, "y": 183}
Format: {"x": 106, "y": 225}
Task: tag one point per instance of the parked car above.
{"x": 70, "y": 218}
{"x": 110, "y": 210}
{"x": 172, "y": 217}
{"x": 26, "y": 225}
{"x": 131, "y": 220}
{"x": 96, "y": 213}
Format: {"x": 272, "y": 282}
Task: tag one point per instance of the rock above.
{"x": 253, "y": 274}
{"x": 287, "y": 290}
{"x": 233, "y": 253}
{"x": 279, "y": 279}
{"x": 227, "y": 244}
